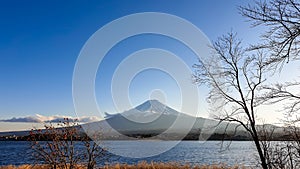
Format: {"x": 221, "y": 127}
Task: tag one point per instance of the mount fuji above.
{"x": 152, "y": 118}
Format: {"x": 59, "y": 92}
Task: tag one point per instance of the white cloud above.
{"x": 56, "y": 118}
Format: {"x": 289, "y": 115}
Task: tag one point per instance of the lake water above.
{"x": 192, "y": 152}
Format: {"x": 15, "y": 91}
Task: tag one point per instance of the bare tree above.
{"x": 281, "y": 41}
{"x": 60, "y": 146}
{"x": 282, "y": 20}
{"x": 55, "y": 144}
{"x": 234, "y": 76}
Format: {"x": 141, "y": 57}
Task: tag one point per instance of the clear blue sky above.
{"x": 40, "y": 42}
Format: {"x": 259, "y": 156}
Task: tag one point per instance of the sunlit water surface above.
{"x": 192, "y": 152}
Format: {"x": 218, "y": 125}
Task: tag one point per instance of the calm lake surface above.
{"x": 192, "y": 152}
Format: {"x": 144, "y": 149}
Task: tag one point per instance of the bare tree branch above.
{"x": 282, "y": 18}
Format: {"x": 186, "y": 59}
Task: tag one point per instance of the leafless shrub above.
{"x": 58, "y": 146}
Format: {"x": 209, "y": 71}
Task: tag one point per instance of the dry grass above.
{"x": 171, "y": 165}
{"x": 27, "y": 166}
{"x": 141, "y": 165}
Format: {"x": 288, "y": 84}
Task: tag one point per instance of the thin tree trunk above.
{"x": 261, "y": 155}
{"x": 258, "y": 147}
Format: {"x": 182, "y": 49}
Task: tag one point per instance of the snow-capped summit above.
{"x": 150, "y": 108}
{"x": 146, "y": 106}
{"x": 146, "y": 112}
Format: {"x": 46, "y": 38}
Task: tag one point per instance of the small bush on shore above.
{"x": 57, "y": 146}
